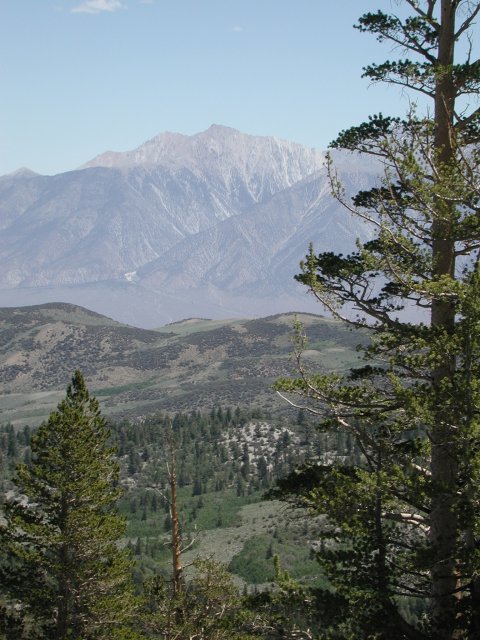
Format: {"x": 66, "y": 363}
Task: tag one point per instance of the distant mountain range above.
{"x": 210, "y": 225}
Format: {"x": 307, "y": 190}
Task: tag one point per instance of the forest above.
{"x": 381, "y": 465}
{"x": 224, "y": 460}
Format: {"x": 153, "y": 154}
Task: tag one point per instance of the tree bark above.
{"x": 444, "y": 464}
{"x": 177, "y": 569}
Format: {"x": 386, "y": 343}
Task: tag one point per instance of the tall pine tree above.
{"x": 405, "y": 515}
{"x": 63, "y": 572}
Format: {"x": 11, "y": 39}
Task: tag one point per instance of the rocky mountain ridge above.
{"x": 212, "y": 224}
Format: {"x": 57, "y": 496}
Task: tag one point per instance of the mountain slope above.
{"x": 258, "y": 252}
{"x": 135, "y": 371}
{"x": 218, "y": 220}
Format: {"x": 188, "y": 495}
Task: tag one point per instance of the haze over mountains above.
{"x": 210, "y": 225}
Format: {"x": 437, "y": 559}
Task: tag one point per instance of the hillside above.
{"x": 182, "y": 366}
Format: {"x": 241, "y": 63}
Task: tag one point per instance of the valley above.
{"x": 235, "y": 435}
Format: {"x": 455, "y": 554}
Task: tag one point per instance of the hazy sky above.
{"x": 78, "y": 77}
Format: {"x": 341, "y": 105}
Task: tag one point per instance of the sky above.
{"x": 79, "y": 77}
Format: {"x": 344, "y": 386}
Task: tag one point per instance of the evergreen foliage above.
{"x": 208, "y": 608}
{"x": 62, "y": 570}
{"x": 211, "y": 453}
{"x": 401, "y": 549}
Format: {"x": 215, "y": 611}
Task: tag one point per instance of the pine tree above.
{"x": 62, "y": 568}
{"x": 407, "y": 514}
{"x": 207, "y": 608}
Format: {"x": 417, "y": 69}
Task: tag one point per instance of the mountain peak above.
{"x": 23, "y": 172}
{"x": 219, "y": 128}
{"x": 218, "y": 143}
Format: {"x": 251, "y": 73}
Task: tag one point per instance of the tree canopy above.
{"x": 401, "y": 548}
{"x": 62, "y": 571}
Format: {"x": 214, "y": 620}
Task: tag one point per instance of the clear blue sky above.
{"x": 78, "y": 77}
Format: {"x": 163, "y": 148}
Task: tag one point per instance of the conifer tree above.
{"x": 406, "y": 516}
{"x": 207, "y": 608}
{"x": 62, "y": 568}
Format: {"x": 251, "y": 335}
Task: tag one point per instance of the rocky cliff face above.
{"x": 219, "y": 216}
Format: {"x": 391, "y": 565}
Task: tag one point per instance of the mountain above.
{"x": 259, "y": 251}
{"x": 212, "y": 224}
{"x": 187, "y": 365}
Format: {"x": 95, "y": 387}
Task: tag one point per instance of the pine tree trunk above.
{"x": 62, "y": 623}
{"x": 177, "y": 568}
{"x": 444, "y": 464}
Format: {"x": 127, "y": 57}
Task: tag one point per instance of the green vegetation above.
{"x": 389, "y": 472}
{"x": 133, "y": 372}
{"x": 226, "y": 459}
{"x": 208, "y": 608}
{"x": 62, "y": 573}
{"x": 255, "y": 561}
{"x": 401, "y": 546}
